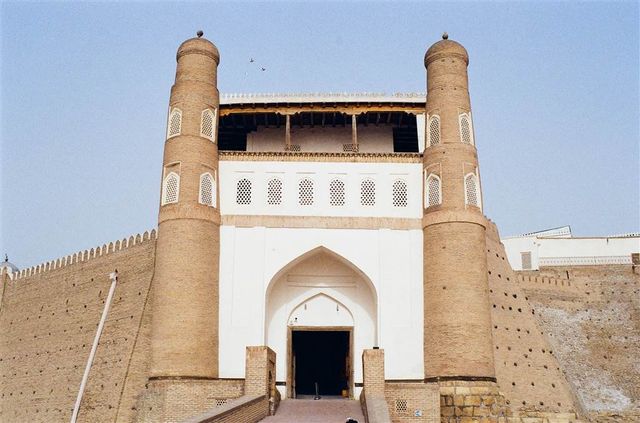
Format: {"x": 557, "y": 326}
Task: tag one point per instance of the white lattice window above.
{"x": 433, "y": 134}
{"x": 274, "y": 192}
{"x": 207, "y": 190}
{"x": 368, "y": 192}
{"x": 400, "y": 195}
{"x": 336, "y": 193}
{"x": 466, "y": 131}
{"x": 175, "y": 123}
{"x": 207, "y": 124}
{"x": 350, "y": 148}
{"x": 433, "y": 191}
{"x": 170, "y": 188}
{"x": 471, "y": 193}
{"x": 305, "y": 192}
{"x": 243, "y": 191}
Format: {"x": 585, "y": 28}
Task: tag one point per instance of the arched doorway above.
{"x": 321, "y": 312}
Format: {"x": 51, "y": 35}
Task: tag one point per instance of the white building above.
{"x": 557, "y": 247}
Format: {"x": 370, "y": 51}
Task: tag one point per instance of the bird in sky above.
{"x": 251, "y": 60}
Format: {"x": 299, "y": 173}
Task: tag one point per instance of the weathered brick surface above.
{"x": 527, "y": 369}
{"x": 48, "y": 322}
{"x": 595, "y": 334}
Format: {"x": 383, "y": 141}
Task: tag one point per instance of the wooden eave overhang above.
{"x": 346, "y": 107}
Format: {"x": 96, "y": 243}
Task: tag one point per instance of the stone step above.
{"x": 320, "y": 411}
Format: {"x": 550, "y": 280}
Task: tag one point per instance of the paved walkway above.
{"x": 321, "y": 411}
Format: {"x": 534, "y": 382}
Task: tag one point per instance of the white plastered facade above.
{"x": 370, "y": 279}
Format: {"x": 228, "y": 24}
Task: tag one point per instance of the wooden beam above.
{"x": 354, "y": 131}
{"x": 287, "y": 133}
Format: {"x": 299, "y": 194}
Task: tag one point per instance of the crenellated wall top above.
{"x": 85, "y": 255}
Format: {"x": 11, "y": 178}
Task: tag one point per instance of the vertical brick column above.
{"x": 457, "y": 316}
{"x": 260, "y": 371}
{"x": 184, "y": 337}
{"x": 373, "y": 372}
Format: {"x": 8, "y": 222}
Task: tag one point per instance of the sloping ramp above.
{"x": 321, "y": 411}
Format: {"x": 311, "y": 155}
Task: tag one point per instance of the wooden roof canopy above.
{"x": 238, "y": 118}
{"x": 250, "y": 115}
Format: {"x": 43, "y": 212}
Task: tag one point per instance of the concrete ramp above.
{"x": 320, "y": 411}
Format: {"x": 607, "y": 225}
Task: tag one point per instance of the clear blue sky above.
{"x": 85, "y": 89}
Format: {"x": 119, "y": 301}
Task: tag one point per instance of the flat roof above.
{"x": 279, "y": 98}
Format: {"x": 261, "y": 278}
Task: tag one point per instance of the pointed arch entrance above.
{"x": 321, "y": 312}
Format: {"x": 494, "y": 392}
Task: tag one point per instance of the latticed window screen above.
{"x": 471, "y": 190}
{"x": 207, "y": 190}
{"x": 400, "y": 196}
{"x": 336, "y": 193}
{"x": 401, "y": 406}
{"x": 207, "y": 124}
{"x": 350, "y": 148}
{"x": 434, "y": 130}
{"x": 175, "y": 123}
{"x": 433, "y": 191}
{"x": 305, "y": 192}
{"x": 171, "y": 188}
{"x": 243, "y": 191}
{"x": 368, "y": 192}
{"x": 466, "y": 135}
{"x": 274, "y": 192}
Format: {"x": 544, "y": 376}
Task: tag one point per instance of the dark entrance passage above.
{"x": 322, "y": 357}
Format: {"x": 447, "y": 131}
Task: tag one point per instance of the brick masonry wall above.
{"x": 413, "y": 402}
{"x": 246, "y": 409}
{"x": 175, "y": 400}
{"x": 48, "y": 322}
{"x": 595, "y": 333}
{"x": 527, "y": 370}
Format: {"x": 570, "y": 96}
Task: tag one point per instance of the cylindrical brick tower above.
{"x": 184, "y": 339}
{"x": 457, "y": 315}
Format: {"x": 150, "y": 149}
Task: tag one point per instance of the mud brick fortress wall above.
{"x": 593, "y": 326}
{"x": 566, "y": 338}
{"x": 48, "y": 320}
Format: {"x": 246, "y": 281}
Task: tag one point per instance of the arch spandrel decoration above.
{"x": 318, "y": 250}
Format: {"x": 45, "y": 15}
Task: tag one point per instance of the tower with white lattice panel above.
{"x": 458, "y": 346}
{"x": 184, "y": 340}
